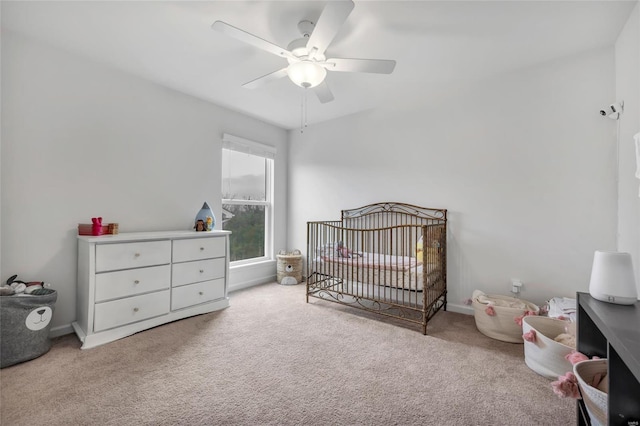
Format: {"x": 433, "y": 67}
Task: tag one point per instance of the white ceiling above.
{"x": 437, "y": 44}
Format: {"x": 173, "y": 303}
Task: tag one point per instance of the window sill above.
{"x": 257, "y": 264}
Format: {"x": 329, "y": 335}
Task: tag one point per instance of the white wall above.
{"x": 523, "y": 162}
{"x": 1, "y": 279}
{"x": 627, "y": 52}
{"x": 81, "y": 140}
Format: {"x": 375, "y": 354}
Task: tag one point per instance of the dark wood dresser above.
{"x": 612, "y": 331}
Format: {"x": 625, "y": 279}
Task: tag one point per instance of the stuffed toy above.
{"x": 432, "y": 249}
{"x": 96, "y": 229}
{"x": 5, "y": 290}
{"x": 16, "y": 285}
{"x": 19, "y": 286}
{"x": 343, "y": 251}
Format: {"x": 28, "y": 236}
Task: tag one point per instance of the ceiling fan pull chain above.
{"x": 306, "y": 107}
{"x": 303, "y": 110}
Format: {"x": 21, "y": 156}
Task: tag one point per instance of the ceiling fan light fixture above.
{"x": 306, "y": 74}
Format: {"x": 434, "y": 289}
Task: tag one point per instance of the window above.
{"x": 247, "y": 198}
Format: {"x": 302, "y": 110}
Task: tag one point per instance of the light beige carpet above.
{"x": 271, "y": 358}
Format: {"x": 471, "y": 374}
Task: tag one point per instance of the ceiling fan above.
{"x": 308, "y": 64}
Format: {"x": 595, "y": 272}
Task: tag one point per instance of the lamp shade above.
{"x": 306, "y": 73}
{"x": 612, "y": 278}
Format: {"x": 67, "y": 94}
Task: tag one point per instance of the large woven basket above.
{"x": 594, "y": 399}
{"x": 502, "y": 325}
{"x": 544, "y": 355}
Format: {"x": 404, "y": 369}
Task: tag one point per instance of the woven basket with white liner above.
{"x": 289, "y": 265}
{"x": 502, "y": 325}
{"x": 595, "y": 399}
{"x": 545, "y": 356}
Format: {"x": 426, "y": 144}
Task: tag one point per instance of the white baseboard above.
{"x": 460, "y": 309}
{"x": 251, "y": 283}
{"x": 60, "y": 330}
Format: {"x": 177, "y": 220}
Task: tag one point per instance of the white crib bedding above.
{"x": 402, "y": 272}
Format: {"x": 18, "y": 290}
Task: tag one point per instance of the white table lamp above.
{"x": 612, "y": 278}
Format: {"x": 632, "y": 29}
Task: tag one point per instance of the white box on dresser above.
{"x": 134, "y": 281}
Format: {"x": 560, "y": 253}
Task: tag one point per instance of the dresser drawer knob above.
{"x": 200, "y": 293}
{"x": 136, "y": 255}
{"x": 136, "y": 282}
{"x": 201, "y": 271}
{"x": 135, "y": 309}
{"x": 201, "y": 248}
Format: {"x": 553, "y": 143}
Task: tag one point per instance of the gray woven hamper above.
{"x": 25, "y": 322}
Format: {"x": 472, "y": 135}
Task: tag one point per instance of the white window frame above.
{"x": 238, "y": 144}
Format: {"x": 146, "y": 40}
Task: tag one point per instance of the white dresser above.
{"x": 134, "y": 281}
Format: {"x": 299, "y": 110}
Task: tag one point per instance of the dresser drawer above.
{"x": 114, "y": 285}
{"x": 111, "y": 257}
{"x": 198, "y": 248}
{"x": 200, "y": 270}
{"x": 131, "y": 309}
{"x": 193, "y": 294}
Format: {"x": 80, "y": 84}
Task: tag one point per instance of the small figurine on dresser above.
{"x": 205, "y": 219}
{"x": 96, "y": 228}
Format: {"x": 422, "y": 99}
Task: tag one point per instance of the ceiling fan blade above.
{"x": 251, "y": 39}
{"x": 378, "y": 66}
{"x": 328, "y": 25}
{"x": 261, "y": 81}
{"x": 323, "y": 92}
